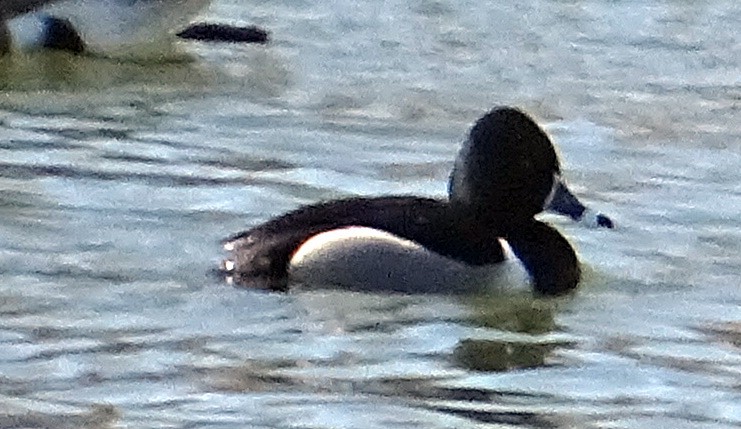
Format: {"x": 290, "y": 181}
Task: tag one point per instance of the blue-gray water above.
{"x": 118, "y": 179}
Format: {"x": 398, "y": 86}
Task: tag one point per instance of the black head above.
{"x": 505, "y": 169}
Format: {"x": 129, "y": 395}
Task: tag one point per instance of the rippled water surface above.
{"x": 118, "y": 179}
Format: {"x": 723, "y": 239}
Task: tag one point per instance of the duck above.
{"x": 112, "y": 28}
{"x": 506, "y": 172}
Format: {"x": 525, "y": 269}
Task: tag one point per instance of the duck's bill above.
{"x": 564, "y": 202}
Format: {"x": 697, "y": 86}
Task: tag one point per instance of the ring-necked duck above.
{"x": 506, "y": 172}
{"x": 109, "y": 26}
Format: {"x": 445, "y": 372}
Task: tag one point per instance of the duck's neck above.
{"x": 487, "y": 217}
{"x": 547, "y": 256}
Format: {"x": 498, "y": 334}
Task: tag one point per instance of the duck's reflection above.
{"x": 413, "y": 351}
{"x": 518, "y": 315}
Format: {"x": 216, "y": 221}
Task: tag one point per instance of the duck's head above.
{"x": 506, "y": 170}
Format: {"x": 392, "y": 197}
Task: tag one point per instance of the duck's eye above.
{"x": 526, "y": 164}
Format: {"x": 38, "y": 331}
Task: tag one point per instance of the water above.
{"x": 118, "y": 179}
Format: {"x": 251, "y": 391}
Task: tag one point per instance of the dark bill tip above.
{"x": 565, "y": 203}
{"x": 604, "y": 221}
